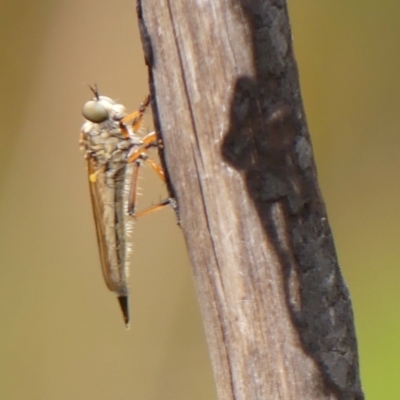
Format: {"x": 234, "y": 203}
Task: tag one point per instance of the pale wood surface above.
{"x": 226, "y": 100}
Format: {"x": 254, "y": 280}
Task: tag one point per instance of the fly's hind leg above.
{"x": 150, "y": 140}
{"x": 133, "y": 190}
{"x": 154, "y": 207}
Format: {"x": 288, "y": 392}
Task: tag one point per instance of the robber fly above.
{"x": 114, "y": 153}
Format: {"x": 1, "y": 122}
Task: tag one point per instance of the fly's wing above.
{"x": 97, "y": 193}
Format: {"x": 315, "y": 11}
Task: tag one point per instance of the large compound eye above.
{"x": 94, "y": 111}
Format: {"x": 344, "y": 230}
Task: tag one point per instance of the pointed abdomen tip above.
{"x": 124, "y": 304}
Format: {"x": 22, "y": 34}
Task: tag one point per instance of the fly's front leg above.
{"x": 136, "y": 117}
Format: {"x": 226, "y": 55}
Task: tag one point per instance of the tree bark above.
{"x": 227, "y": 104}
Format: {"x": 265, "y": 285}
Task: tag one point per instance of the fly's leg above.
{"x": 156, "y": 168}
{"x": 154, "y": 207}
{"x": 148, "y": 141}
{"x": 136, "y": 117}
{"x": 133, "y": 190}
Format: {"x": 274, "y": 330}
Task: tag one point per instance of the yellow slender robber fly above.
{"x": 114, "y": 153}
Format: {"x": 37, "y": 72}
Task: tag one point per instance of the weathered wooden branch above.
{"x": 227, "y": 103}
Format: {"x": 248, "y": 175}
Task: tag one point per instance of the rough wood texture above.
{"x": 227, "y": 103}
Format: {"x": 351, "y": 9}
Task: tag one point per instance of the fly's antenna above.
{"x": 95, "y": 91}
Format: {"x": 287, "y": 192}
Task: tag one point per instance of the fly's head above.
{"x": 102, "y": 109}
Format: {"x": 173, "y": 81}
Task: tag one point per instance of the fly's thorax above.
{"x": 101, "y": 135}
{"x": 106, "y": 142}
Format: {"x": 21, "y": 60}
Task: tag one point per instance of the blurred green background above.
{"x": 62, "y": 335}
